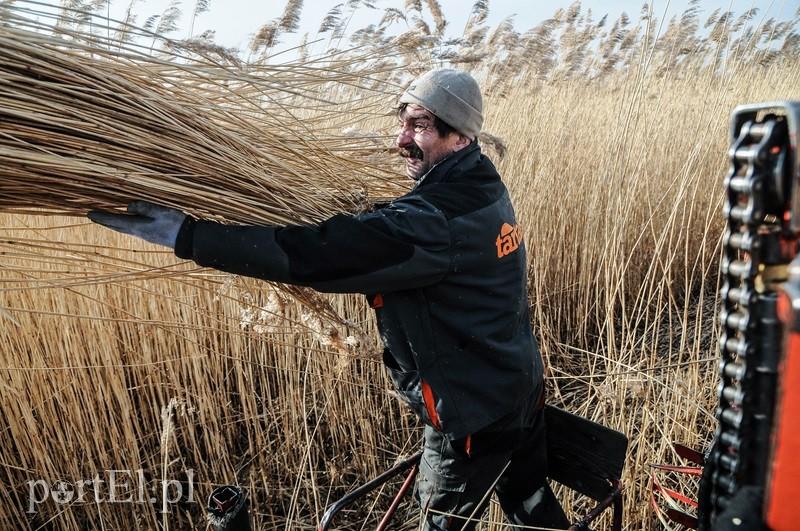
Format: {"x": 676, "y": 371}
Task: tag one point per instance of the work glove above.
{"x": 151, "y": 222}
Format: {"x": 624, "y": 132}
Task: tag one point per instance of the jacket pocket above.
{"x": 439, "y": 494}
{"x": 439, "y": 479}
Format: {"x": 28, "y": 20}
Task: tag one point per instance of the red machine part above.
{"x": 783, "y": 486}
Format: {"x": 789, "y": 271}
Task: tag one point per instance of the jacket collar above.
{"x": 451, "y": 165}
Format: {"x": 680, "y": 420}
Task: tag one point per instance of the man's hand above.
{"x": 151, "y": 222}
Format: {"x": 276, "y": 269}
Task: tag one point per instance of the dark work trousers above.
{"x": 456, "y": 478}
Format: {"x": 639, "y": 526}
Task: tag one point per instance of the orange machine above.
{"x": 783, "y": 482}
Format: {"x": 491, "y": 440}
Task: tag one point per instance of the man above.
{"x": 444, "y": 268}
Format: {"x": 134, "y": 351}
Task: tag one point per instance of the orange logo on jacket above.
{"x": 509, "y": 240}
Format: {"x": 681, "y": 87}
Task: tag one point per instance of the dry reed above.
{"x": 88, "y": 122}
{"x": 615, "y": 161}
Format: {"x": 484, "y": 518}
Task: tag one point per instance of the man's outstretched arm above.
{"x": 403, "y": 245}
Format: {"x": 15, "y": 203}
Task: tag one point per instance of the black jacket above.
{"x": 444, "y": 268}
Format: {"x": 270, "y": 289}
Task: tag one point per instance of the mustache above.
{"x": 413, "y": 151}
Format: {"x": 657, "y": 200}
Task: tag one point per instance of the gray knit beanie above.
{"x": 451, "y": 95}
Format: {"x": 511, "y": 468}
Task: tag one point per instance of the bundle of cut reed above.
{"x": 93, "y": 120}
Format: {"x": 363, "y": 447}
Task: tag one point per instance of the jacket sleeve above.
{"x": 403, "y": 245}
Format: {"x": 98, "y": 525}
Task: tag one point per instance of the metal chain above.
{"x": 752, "y": 265}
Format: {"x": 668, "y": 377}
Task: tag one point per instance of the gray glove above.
{"x": 151, "y": 222}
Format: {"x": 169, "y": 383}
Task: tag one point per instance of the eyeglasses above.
{"x": 419, "y": 126}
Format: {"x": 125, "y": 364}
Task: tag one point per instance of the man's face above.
{"x": 420, "y": 143}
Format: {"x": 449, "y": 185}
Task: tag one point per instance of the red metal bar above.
{"x": 672, "y": 495}
{"x": 690, "y": 470}
{"x": 689, "y": 454}
{"x": 327, "y": 518}
{"x": 613, "y": 500}
{"x": 412, "y": 474}
{"x": 616, "y": 523}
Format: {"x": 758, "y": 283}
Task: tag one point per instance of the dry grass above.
{"x": 93, "y": 122}
{"x": 623, "y": 227}
{"x": 120, "y": 358}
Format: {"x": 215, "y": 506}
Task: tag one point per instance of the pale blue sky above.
{"x": 236, "y": 20}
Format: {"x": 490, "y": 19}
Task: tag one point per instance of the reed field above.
{"x": 610, "y": 134}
